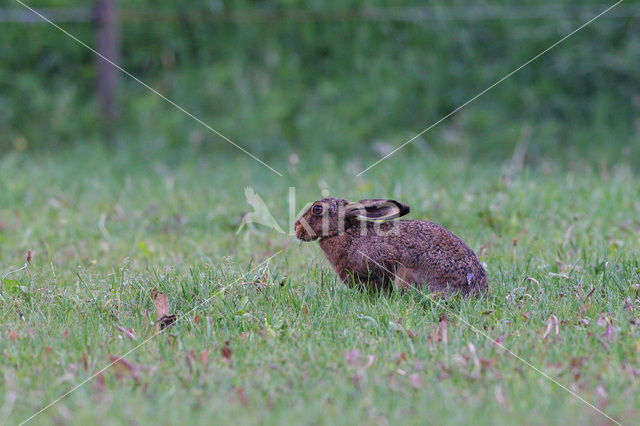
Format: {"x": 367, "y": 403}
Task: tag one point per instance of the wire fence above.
{"x": 390, "y": 14}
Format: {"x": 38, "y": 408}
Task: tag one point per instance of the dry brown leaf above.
{"x": 242, "y": 397}
{"x": 226, "y": 350}
{"x": 497, "y": 391}
{"x": 476, "y": 361}
{"x": 610, "y": 333}
{"x": 589, "y": 295}
{"x": 629, "y": 304}
{"x": 536, "y": 282}
{"x": 85, "y": 362}
{"x": 162, "y": 305}
{"x": 122, "y": 367}
{"x": 98, "y": 386}
{"x": 370, "y": 360}
{"x": 443, "y": 330}
{"x": 127, "y": 332}
{"x": 163, "y": 317}
{"x": 553, "y": 321}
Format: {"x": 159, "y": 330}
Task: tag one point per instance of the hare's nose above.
{"x": 301, "y": 234}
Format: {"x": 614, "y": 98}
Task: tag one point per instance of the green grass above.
{"x": 108, "y": 227}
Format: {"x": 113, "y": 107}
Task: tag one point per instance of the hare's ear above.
{"x": 376, "y": 209}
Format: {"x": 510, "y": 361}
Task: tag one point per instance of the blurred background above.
{"x": 342, "y": 79}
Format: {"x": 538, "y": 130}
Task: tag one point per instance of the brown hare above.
{"x": 366, "y": 248}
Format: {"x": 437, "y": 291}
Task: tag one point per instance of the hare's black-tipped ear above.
{"x": 376, "y": 209}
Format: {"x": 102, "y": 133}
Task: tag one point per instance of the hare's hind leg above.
{"x": 408, "y": 279}
{"x": 400, "y": 281}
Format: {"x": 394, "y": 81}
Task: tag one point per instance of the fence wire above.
{"x": 390, "y": 14}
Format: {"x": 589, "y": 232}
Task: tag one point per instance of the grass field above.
{"x": 283, "y": 341}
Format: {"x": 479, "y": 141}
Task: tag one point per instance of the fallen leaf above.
{"x": 604, "y": 321}
{"x": 163, "y": 317}
{"x": 122, "y": 367}
{"x": 162, "y": 305}
{"x": 226, "y": 350}
{"x": 601, "y": 392}
{"x": 189, "y": 356}
{"x": 610, "y": 333}
{"x": 127, "y": 332}
{"x": 551, "y": 322}
{"x": 501, "y": 338}
{"x": 242, "y": 397}
{"x": 500, "y": 396}
{"x": 476, "y": 361}
{"x": 577, "y": 362}
{"x": 536, "y": 282}
{"x": 565, "y": 276}
{"x": 443, "y": 330}
{"x": 98, "y": 386}
{"x": 589, "y": 295}
{"x": 370, "y": 360}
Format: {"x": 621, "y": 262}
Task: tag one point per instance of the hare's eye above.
{"x": 317, "y": 209}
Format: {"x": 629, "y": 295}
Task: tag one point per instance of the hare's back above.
{"x": 437, "y": 256}
{"x": 425, "y": 241}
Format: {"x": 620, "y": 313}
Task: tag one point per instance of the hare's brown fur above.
{"x": 404, "y": 253}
